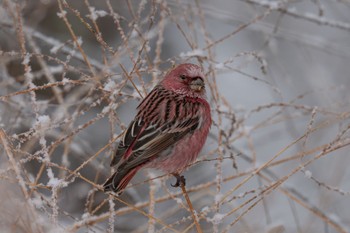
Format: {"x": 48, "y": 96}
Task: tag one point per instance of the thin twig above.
{"x": 7, "y": 146}
{"x": 189, "y": 203}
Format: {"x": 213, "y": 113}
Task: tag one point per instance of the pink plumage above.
{"x": 169, "y": 130}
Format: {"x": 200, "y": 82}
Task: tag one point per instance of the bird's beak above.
{"x": 197, "y": 84}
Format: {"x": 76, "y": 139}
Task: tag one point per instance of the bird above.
{"x": 169, "y": 130}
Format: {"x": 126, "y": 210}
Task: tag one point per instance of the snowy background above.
{"x": 277, "y": 74}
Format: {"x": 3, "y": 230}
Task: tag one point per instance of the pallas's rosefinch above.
{"x": 169, "y": 130}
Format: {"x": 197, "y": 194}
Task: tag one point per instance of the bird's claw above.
{"x": 180, "y": 181}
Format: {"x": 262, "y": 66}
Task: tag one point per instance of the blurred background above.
{"x": 277, "y": 74}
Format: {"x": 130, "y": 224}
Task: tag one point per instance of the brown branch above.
{"x": 189, "y": 203}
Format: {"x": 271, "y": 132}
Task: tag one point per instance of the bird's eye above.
{"x": 182, "y": 77}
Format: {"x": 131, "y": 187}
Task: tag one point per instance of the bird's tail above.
{"x": 119, "y": 180}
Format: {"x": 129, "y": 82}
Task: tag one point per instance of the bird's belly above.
{"x": 176, "y": 158}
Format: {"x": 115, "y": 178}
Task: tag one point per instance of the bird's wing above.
{"x": 132, "y": 133}
{"x": 141, "y": 142}
{"x": 163, "y": 119}
{"x": 123, "y": 151}
{"x": 154, "y": 140}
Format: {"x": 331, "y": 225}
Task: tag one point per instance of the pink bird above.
{"x": 169, "y": 130}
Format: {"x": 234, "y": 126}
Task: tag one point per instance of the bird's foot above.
{"x": 180, "y": 181}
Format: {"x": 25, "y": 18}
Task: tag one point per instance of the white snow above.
{"x": 178, "y": 200}
{"x": 205, "y": 209}
{"x": 53, "y": 182}
{"x": 56, "y": 69}
{"x": 133, "y": 33}
{"x": 85, "y": 216}
{"x": 217, "y": 218}
{"x": 308, "y": 174}
{"x": 79, "y": 41}
{"x": 193, "y": 53}
{"x": 55, "y": 48}
{"x": 26, "y": 59}
{"x": 106, "y": 109}
{"x": 43, "y": 122}
{"x": 240, "y": 195}
{"x": 219, "y": 66}
{"x": 110, "y": 85}
{"x": 95, "y": 14}
{"x": 65, "y": 80}
{"x": 61, "y": 14}
{"x": 42, "y": 141}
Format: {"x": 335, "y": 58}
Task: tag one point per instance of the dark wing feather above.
{"x": 167, "y": 136}
{"x": 133, "y": 130}
{"x": 142, "y": 141}
{"x": 129, "y": 137}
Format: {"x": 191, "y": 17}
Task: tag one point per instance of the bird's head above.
{"x": 187, "y": 79}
